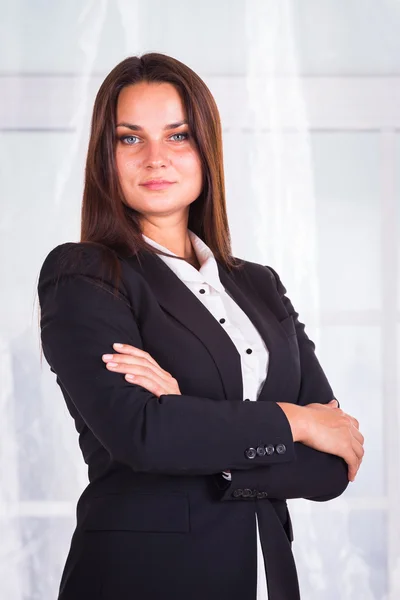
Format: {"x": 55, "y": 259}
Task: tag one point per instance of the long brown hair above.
{"x": 106, "y": 219}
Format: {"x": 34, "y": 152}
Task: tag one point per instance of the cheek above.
{"x": 126, "y": 165}
{"x": 189, "y": 164}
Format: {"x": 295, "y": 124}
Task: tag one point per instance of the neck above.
{"x": 176, "y": 239}
{"x": 194, "y": 261}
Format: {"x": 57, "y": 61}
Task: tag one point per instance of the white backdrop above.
{"x": 309, "y": 95}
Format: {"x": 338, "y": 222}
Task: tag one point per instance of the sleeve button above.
{"x": 237, "y": 493}
{"x": 261, "y": 451}
{"x": 247, "y": 493}
{"x": 262, "y": 495}
{"x": 281, "y": 448}
{"x": 250, "y": 453}
{"x": 269, "y": 449}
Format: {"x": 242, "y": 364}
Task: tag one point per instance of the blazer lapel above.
{"x": 176, "y": 299}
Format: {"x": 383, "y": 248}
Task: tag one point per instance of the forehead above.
{"x": 150, "y": 103}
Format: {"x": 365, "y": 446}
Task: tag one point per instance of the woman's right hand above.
{"x": 327, "y": 428}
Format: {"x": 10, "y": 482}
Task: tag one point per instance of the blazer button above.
{"x": 247, "y": 493}
{"x": 269, "y": 449}
{"x": 261, "y": 451}
{"x": 237, "y": 493}
{"x": 250, "y": 453}
{"x": 281, "y": 448}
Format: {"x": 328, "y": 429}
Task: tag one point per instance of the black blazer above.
{"x": 157, "y": 519}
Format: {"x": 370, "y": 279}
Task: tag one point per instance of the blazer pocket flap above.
{"x": 139, "y": 511}
{"x": 288, "y": 326}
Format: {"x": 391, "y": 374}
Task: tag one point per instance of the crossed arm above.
{"x": 147, "y": 424}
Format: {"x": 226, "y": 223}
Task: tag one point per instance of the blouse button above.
{"x": 202, "y": 291}
{"x": 222, "y": 320}
{"x": 247, "y": 399}
{"x": 249, "y": 351}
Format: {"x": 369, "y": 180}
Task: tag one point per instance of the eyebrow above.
{"x": 138, "y": 128}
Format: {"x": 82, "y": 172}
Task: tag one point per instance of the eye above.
{"x": 123, "y": 138}
{"x": 183, "y": 135}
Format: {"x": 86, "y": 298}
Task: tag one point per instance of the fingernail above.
{"x": 118, "y": 345}
{"x": 112, "y": 364}
{"x": 107, "y": 356}
{"x": 130, "y": 376}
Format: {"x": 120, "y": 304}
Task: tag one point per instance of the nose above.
{"x": 156, "y": 156}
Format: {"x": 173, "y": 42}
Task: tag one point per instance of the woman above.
{"x": 188, "y": 472}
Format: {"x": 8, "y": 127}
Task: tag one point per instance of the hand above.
{"x": 327, "y": 428}
{"x": 332, "y": 430}
{"x": 141, "y": 368}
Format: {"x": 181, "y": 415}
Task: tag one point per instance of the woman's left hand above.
{"x": 141, "y": 368}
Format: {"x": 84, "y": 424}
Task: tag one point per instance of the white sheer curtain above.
{"x": 308, "y": 94}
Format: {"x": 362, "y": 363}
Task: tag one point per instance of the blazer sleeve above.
{"x": 81, "y": 317}
{"x": 312, "y": 475}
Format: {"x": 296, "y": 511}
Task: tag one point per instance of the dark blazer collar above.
{"x": 180, "y": 302}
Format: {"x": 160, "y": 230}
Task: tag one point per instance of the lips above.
{"x": 157, "y": 184}
{"x": 151, "y": 181}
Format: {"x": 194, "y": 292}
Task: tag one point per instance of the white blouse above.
{"x": 240, "y": 329}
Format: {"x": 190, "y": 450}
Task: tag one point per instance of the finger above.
{"x": 128, "y": 349}
{"x": 358, "y": 449}
{"x": 149, "y": 370}
{"x": 132, "y": 360}
{"x": 352, "y": 470}
{"x": 121, "y": 365}
{"x": 353, "y": 474}
{"x": 355, "y": 469}
{"x": 317, "y": 406}
{"x": 149, "y": 384}
{"x": 352, "y": 423}
{"x": 357, "y": 435}
{"x": 352, "y": 460}
{"x": 352, "y": 420}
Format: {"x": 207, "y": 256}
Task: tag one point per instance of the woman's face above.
{"x": 154, "y": 143}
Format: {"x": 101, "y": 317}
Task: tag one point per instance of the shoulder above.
{"x": 261, "y": 278}
{"x": 256, "y": 273}
{"x": 73, "y": 258}
{"x": 89, "y": 260}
